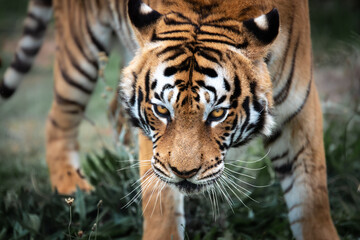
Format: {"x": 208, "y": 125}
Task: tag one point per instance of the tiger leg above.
{"x": 297, "y": 154}
{"x": 71, "y": 94}
{"x": 163, "y": 207}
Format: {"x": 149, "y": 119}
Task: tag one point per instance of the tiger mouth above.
{"x": 189, "y": 187}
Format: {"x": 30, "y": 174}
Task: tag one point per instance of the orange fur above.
{"x": 282, "y": 88}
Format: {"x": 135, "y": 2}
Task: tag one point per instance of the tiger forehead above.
{"x": 199, "y": 30}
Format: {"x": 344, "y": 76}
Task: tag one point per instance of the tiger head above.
{"x": 196, "y": 87}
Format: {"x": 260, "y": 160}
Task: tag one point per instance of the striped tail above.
{"x": 38, "y": 15}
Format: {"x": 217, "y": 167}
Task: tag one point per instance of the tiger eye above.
{"x": 217, "y": 113}
{"x": 162, "y": 110}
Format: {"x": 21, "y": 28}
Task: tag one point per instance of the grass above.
{"x": 29, "y": 210}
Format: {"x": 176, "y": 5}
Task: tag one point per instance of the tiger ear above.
{"x": 143, "y": 19}
{"x": 263, "y": 31}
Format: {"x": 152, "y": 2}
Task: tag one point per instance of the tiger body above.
{"x": 209, "y": 75}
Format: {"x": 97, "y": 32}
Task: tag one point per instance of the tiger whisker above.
{"x": 241, "y": 174}
{"x": 156, "y": 199}
{"x": 215, "y": 203}
{"x": 126, "y": 161}
{"x": 250, "y": 162}
{"x": 135, "y": 165}
{"x": 246, "y": 168}
{"x": 225, "y": 194}
{"x": 143, "y": 185}
{"x": 141, "y": 178}
{"x": 227, "y": 185}
{"x": 134, "y": 198}
{"x": 164, "y": 185}
{"x": 237, "y": 186}
{"x": 151, "y": 195}
{"x": 136, "y": 187}
{"x": 147, "y": 186}
{"x": 211, "y": 200}
{"x": 249, "y": 184}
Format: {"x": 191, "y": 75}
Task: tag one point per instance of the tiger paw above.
{"x": 66, "y": 180}
{"x": 64, "y": 168}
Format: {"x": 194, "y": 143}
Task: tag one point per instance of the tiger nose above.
{"x": 184, "y": 174}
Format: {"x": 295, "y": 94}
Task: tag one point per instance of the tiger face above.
{"x": 197, "y": 88}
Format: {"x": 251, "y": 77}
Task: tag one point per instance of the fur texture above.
{"x": 208, "y": 75}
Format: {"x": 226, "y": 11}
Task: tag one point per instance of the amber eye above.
{"x": 162, "y": 111}
{"x": 217, "y": 114}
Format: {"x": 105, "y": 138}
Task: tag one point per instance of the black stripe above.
{"x": 167, "y": 86}
{"x": 80, "y": 46}
{"x": 205, "y": 70}
{"x": 173, "y": 22}
{"x": 246, "y": 107}
{"x": 169, "y": 71}
{"x": 132, "y": 99}
{"x": 302, "y": 105}
{"x": 278, "y": 157}
{"x": 221, "y": 100}
{"x": 184, "y": 65}
{"x": 236, "y": 45}
{"x": 236, "y": 93}
{"x": 72, "y": 82}
{"x": 277, "y": 133}
{"x": 76, "y": 65}
{"x": 45, "y": 3}
{"x": 227, "y": 85}
{"x": 209, "y": 49}
{"x": 100, "y": 47}
{"x": 30, "y": 51}
{"x": 157, "y": 139}
{"x": 156, "y": 38}
{"x": 288, "y": 189}
{"x": 157, "y": 169}
{"x": 56, "y": 124}
{"x": 180, "y": 15}
{"x": 174, "y": 56}
{"x": 209, "y": 88}
{"x": 287, "y": 168}
{"x": 215, "y": 34}
{"x": 287, "y": 48}
{"x": 208, "y": 57}
{"x": 175, "y": 31}
{"x": 283, "y": 94}
{"x": 153, "y": 84}
{"x": 72, "y": 112}
{"x": 64, "y": 101}
{"x": 219, "y": 20}
{"x": 38, "y": 31}
{"x": 231, "y": 28}
{"x": 147, "y": 86}
{"x": 5, "y": 91}
{"x": 20, "y": 66}
{"x": 273, "y": 137}
{"x": 169, "y": 49}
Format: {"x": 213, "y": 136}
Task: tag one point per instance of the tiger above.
{"x": 206, "y": 76}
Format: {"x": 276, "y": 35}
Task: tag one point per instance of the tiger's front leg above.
{"x": 66, "y": 114}
{"x": 163, "y": 207}
{"x": 297, "y": 154}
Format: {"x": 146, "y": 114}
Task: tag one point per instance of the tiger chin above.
{"x": 197, "y": 90}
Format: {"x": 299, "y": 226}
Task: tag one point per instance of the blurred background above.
{"x": 28, "y": 209}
